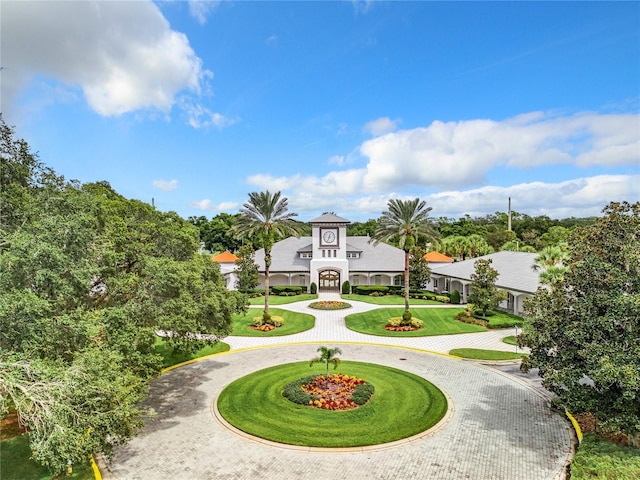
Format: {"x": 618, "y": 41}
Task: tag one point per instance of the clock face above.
{"x": 329, "y": 237}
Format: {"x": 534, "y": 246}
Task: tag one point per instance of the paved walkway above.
{"x": 499, "y": 427}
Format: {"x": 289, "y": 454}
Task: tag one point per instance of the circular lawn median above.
{"x": 402, "y": 405}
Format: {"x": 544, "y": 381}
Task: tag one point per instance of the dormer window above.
{"x": 306, "y": 255}
{"x": 353, "y": 254}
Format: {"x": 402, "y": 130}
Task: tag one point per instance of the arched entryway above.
{"x": 329, "y": 280}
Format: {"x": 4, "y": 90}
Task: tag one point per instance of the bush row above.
{"x": 294, "y": 393}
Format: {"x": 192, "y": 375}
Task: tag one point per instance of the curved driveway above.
{"x": 500, "y": 428}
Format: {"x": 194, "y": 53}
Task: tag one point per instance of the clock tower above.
{"x": 329, "y": 265}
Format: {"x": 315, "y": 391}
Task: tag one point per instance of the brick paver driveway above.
{"x": 499, "y": 427}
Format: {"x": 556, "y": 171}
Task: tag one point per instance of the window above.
{"x": 324, "y": 252}
{"x": 435, "y": 283}
{"x": 334, "y": 254}
{"x": 306, "y": 255}
{"x": 398, "y": 280}
{"x": 353, "y": 255}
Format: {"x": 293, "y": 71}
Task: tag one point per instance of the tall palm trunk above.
{"x": 406, "y": 280}
{"x": 267, "y": 264}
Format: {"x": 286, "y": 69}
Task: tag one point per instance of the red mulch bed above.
{"x": 10, "y": 426}
{"x": 588, "y": 424}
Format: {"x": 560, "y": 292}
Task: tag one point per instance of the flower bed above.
{"x": 329, "y": 305}
{"x": 333, "y": 392}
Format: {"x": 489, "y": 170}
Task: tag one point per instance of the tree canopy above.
{"x": 584, "y": 330}
{"x": 87, "y": 277}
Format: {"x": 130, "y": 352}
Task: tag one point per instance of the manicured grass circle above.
{"x": 404, "y": 404}
{"x": 437, "y": 321}
{"x": 329, "y": 305}
{"x": 293, "y": 323}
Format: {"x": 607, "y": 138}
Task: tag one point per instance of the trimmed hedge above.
{"x": 369, "y": 289}
{"x": 346, "y": 288}
{"x": 313, "y": 288}
{"x": 280, "y": 289}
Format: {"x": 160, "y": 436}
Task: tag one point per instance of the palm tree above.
{"x": 553, "y": 256}
{"x": 550, "y": 263}
{"x": 327, "y": 356}
{"x": 265, "y": 219}
{"x": 405, "y": 221}
{"x": 456, "y": 246}
{"x": 477, "y": 245}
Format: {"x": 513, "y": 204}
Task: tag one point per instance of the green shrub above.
{"x": 294, "y": 393}
{"x": 464, "y": 318}
{"x": 395, "y": 321}
{"x": 346, "y": 288}
{"x": 368, "y": 289}
{"x": 416, "y": 322}
{"x": 279, "y": 289}
{"x": 406, "y": 317}
{"x": 313, "y": 288}
{"x": 442, "y": 298}
{"x": 362, "y": 393}
{"x": 454, "y": 296}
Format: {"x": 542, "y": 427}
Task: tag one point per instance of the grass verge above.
{"x": 600, "y": 459}
{"x": 403, "y": 405}
{"x": 480, "y": 354}
{"x": 15, "y": 463}
{"x": 500, "y": 319}
{"x": 278, "y": 300}
{"x": 437, "y": 321}
{"x": 388, "y": 300}
{"x": 169, "y": 358}
{"x": 293, "y": 323}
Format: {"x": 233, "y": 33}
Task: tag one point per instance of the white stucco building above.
{"x": 515, "y": 275}
{"x": 329, "y": 257}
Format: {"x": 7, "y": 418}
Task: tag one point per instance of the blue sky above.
{"x": 340, "y": 105}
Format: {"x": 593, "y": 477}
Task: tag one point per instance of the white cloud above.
{"x": 579, "y": 197}
{"x": 455, "y": 157}
{"x": 166, "y": 186}
{"x": 206, "y": 204}
{"x": 460, "y": 154}
{"x": 337, "y": 160}
{"x": 198, "y": 116}
{"x": 381, "y": 126}
{"x": 200, "y": 9}
{"x": 124, "y": 56}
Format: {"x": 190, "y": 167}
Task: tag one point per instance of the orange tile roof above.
{"x": 224, "y": 257}
{"x": 436, "y": 257}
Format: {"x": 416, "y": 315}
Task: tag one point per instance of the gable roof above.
{"x": 437, "y": 257}
{"x": 329, "y": 217}
{"x": 285, "y": 256}
{"x": 225, "y": 257}
{"x": 514, "y": 270}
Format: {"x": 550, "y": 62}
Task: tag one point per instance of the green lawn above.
{"x": 600, "y": 459}
{"x": 402, "y": 405}
{"x": 499, "y": 319}
{"x": 510, "y": 340}
{"x": 293, "y": 323}
{"x": 480, "y": 354}
{"x": 388, "y": 300}
{"x": 278, "y": 300}
{"x": 437, "y": 321}
{"x": 15, "y": 463}
{"x": 169, "y": 358}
